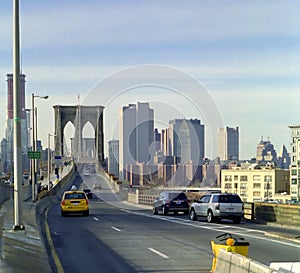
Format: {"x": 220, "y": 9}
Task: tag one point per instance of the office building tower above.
{"x": 157, "y": 141}
{"x": 186, "y": 140}
{"x": 228, "y": 143}
{"x": 10, "y": 122}
{"x": 136, "y": 135}
{"x": 265, "y": 152}
{"x": 295, "y": 163}
{"x": 283, "y": 160}
{"x": 113, "y": 157}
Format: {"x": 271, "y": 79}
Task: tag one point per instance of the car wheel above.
{"x": 193, "y": 215}
{"x": 164, "y": 210}
{"x": 210, "y": 217}
{"x": 155, "y": 211}
{"x": 237, "y": 220}
{"x": 63, "y": 214}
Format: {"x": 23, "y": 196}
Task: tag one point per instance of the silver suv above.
{"x": 218, "y": 206}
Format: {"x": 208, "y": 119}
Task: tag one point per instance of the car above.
{"x": 171, "y": 201}
{"x": 88, "y": 193}
{"x": 74, "y": 201}
{"x": 97, "y": 186}
{"x": 218, "y": 206}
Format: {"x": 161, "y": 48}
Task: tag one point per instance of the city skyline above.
{"x": 246, "y": 55}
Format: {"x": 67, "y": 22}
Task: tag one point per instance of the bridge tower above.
{"x": 79, "y": 115}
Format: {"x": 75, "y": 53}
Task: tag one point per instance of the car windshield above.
{"x": 74, "y": 196}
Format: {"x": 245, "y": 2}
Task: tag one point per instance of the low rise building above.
{"x": 255, "y": 183}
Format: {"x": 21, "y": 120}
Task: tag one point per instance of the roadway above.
{"x": 120, "y": 237}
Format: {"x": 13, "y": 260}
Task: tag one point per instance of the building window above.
{"x": 244, "y": 178}
{"x": 243, "y": 186}
{"x": 236, "y": 178}
{"x": 294, "y": 172}
{"x": 228, "y": 186}
{"x": 268, "y": 186}
{"x": 294, "y": 181}
{"x": 256, "y": 185}
{"x": 268, "y": 178}
{"x": 228, "y": 178}
{"x": 256, "y": 193}
{"x": 256, "y": 177}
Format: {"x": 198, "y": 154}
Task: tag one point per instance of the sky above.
{"x": 227, "y": 63}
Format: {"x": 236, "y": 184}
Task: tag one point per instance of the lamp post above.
{"x": 49, "y": 160}
{"x": 18, "y": 214}
{"x": 34, "y": 139}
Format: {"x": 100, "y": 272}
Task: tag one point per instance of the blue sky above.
{"x": 245, "y": 53}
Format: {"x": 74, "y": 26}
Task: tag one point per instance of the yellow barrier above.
{"x": 231, "y": 244}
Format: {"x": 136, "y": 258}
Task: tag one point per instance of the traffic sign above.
{"x": 34, "y": 154}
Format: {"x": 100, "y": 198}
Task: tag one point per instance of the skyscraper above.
{"x": 228, "y": 143}
{"x": 136, "y": 135}
{"x": 186, "y": 140}
{"x": 265, "y": 152}
{"x": 10, "y": 122}
{"x": 113, "y": 157}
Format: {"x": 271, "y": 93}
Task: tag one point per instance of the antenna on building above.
{"x": 78, "y": 99}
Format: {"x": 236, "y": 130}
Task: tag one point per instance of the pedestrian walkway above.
{"x": 23, "y": 251}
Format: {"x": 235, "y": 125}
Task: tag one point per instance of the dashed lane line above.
{"x": 158, "y": 253}
{"x": 116, "y": 229}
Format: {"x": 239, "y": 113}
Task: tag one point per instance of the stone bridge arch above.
{"x": 79, "y": 115}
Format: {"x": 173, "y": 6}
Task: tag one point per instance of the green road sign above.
{"x": 34, "y": 154}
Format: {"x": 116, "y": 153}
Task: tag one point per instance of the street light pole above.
{"x": 17, "y": 120}
{"x": 33, "y": 149}
{"x": 34, "y": 140}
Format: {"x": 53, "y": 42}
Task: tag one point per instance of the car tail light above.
{"x": 63, "y": 202}
{"x": 87, "y": 201}
{"x": 167, "y": 202}
{"x": 217, "y": 206}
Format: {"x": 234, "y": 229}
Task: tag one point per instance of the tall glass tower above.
{"x": 10, "y": 123}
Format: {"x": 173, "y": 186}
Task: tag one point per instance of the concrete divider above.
{"x": 53, "y": 196}
{"x": 228, "y": 262}
{"x": 286, "y": 267}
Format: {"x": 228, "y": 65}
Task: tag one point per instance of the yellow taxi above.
{"x": 74, "y": 201}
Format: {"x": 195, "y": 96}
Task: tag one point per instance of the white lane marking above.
{"x": 116, "y": 229}
{"x": 96, "y": 219}
{"x": 243, "y": 231}
{"x": 158, "y": 253}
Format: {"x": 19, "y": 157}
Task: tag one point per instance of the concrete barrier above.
{"x": 286, "y": 267}
{"x": 50, "y": 197}
{"x": 228, "y": 262}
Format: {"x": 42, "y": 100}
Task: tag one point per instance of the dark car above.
{"x": 88, "y": 193}
{"x": 171, "y": 201}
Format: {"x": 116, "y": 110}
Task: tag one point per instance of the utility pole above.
{"x": 17, "y": 120}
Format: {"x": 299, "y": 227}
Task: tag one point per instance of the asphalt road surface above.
{"x": 118, "y": 237}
